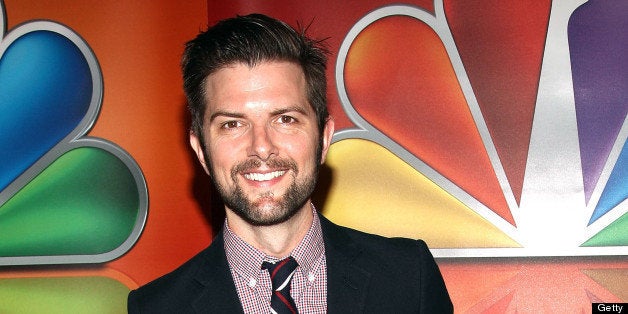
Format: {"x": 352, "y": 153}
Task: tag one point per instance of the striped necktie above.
{"x": 280, "y": 274}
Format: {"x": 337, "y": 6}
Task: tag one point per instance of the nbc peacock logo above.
{"x": 483, "y": 137}
{"x": 64, "y": 197}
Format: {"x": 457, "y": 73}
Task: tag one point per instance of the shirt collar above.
{"x": 247, "y": 261}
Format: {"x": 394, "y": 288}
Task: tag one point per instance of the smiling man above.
{"x": 256, "y": 90}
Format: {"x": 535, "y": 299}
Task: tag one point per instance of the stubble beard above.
{"x": 267, "y": 209}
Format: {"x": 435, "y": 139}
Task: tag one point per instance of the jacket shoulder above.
{"x": 167, "y": 292}
{"x": 379, "y": 246}
{"x": 403, "y": 272}
{"x": 203, "y": 282}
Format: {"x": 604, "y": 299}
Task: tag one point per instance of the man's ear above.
{"x": 328, "y": 134}
{"x": 195, "y": 142}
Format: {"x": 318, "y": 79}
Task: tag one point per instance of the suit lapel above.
{"x": 219, "y": 294}
{"x": 347, "y": 282}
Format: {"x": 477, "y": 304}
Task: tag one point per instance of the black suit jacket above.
{"x": 365, "y": 274}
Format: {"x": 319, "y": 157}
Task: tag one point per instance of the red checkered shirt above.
{"x": 309, "y": 283}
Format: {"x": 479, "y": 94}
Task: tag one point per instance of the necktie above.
{"x": 280, "y": 274}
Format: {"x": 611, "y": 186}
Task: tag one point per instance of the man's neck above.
{"x": 276, "y": 240}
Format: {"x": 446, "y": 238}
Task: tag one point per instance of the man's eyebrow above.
{"x": 298, "y": 109}
{"x": 279, "y": 111}
{"x": 228, "y": 114}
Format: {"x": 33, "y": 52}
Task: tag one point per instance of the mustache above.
{"x": 273, "y": 164}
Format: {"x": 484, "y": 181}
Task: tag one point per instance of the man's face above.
{"x": 262, "y": 141}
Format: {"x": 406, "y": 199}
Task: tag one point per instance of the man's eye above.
{"x": 230, "y": 125}
{"x": 286, "y": 120}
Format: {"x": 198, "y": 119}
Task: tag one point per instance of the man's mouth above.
{"x": 264, "y": 176}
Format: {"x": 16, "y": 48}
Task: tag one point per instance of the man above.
{"x": 260, "y": 128}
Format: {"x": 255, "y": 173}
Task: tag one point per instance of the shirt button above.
{"x": 310, "y": 277}
{"x": 252, "y": 282}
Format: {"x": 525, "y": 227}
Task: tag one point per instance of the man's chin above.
{"x": 267, "y": 220}
{"x": 266, "y": 214}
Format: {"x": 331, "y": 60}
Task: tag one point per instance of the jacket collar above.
{"x": 347, "y": 281}
{"x": 219, "y": 294}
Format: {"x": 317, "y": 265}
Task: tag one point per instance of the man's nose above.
{"x": 262, "y": 143}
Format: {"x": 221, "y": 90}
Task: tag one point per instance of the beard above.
{"x": 267, "y": 209}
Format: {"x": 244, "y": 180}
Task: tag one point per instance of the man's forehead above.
{"x": 272, "y": 85}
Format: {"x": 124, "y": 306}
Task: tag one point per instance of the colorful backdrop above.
{"x": 495, "y": 131}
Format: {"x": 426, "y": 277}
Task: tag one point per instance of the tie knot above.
{"x": 281, "y": 301}
{"x": 281, "y": 272}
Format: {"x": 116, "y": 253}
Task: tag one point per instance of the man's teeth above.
{"x": 263, "y": 176}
